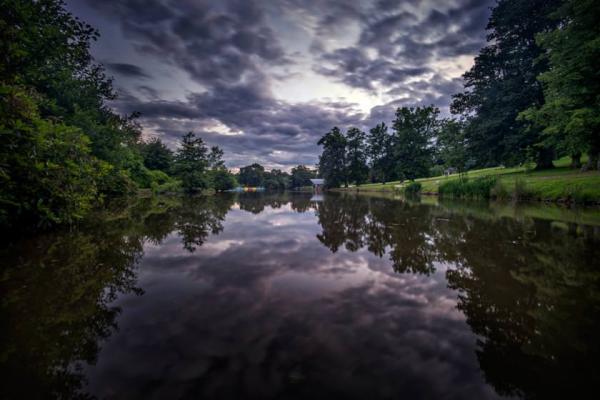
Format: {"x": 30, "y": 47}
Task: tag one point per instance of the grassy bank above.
{"x": 561, "y": 184}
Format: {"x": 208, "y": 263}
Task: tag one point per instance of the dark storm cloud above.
{"x": 127, "y": 70}
{"x": 353, "y": 67}
{"x": 405, "y": 45}
{"x": 236, "y": 54}
{"x": 214, "y": 44}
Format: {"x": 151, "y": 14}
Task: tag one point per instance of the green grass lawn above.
{"x": 560, "y": 183}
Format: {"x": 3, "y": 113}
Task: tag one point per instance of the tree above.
{"x": 451, "y": 144}
{"x": 252, "y": 175}
{"x": 570, "y": 116}
{"x": 379, "y": 151}
{"x": 157, "y": 156}
{"x": 276, "y": 179}
{"x": 356, "y": 156}
{"x": 301, "y": 176}
{"x": 47, "y": 175}
{"x": 215, "y": 158}
{"x": 191, "y": 162}
{"x": 414, "y": 129}
{"x": 221, "y": 179}
{"x": 503, "y": 82}
{"x": 332, "y": 162}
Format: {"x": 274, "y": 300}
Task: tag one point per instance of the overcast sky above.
{"x": 265, "y": 79}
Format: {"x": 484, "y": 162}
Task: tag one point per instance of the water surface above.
{"x": 299, "y": 296}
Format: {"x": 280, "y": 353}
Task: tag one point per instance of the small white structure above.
{"x": 318, "y": 184}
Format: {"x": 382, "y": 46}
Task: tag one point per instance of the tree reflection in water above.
{"x": 57, "y": 289}
{"x": 529, "y": 287}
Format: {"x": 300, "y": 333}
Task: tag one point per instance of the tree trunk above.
{"x": 576, "y": 160}
{"x": 593, "y": 160}
{"x": 544, "y": 158}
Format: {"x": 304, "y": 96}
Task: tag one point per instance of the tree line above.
{"x": 255, "y": 175}
{"x": 532, "y": 95}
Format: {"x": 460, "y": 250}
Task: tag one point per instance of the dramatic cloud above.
{"x": 127, "y": 70}
{"x": 266, "y": 79}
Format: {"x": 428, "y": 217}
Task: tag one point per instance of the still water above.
{"x": 302, "y": 297}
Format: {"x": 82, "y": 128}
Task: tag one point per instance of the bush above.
{"x": 221, "y": 179}
{"x": 476, "y": 188}
{"x": 47, "y": 175}
{"x": 503, "y": 192}
{"x": 499, "y": 191}
{"x": 521, "y": 191}
{"x": 172, "y": 186}
{"x": 413, "y": 188}
{"x": 436, "y": 170}
{"x": 114, "y": 182}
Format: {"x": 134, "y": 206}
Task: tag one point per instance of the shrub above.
{"x": 221, "y": 179}
{"x": 436, "y": 170}
{"x": 499, "y": 191}
{"x": 413, "y": 188}
{"x": 521, "y": 191}
{"x": 114, "y": 182}
{"x": 47, "y": 175}
{"x": 476, "y": 188}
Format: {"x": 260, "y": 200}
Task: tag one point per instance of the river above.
{"x": 303, "y": 297}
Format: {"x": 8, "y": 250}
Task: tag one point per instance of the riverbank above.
{"x": 561, "y": 184}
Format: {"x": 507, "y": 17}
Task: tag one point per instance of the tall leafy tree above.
{"x": 356, "y": 156}
{"x": 276, "y": 179}
{"x": 191, "y": 162}
{"x": 379, "y": 151}
{"x": 215, "y": 158}
{"x": 503, "y": 82}
{"x": 252, "y": 175}
{"x": 332, "y": 162}
{"x": 301, "y": 176}
{"x": 452, "y": 145}
{"x": 414, "y": 129}
{"x": 570, "y": 116}
{"x": 157, "y": 156}
{"x": 221, "y": 179}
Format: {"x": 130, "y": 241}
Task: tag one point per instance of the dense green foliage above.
{"x": 356, "y": 157}
{"x": 221, "y": 179}
{"x": 301, "y": 176}
{"x": 464, "y": 187}
{"x": 413, "y": 188}
{"x": 332, "y": 163}
{"x": 414, "y": 128}
{"x": 191, "y": 162}
{"x": 570, "y": 115}
{"x": 379, "y": 152}
{"x": 47, "y": 174}
{"x": 252, "y": 175}
{"x": 157, "y": 155}
{"x": 503, "y": 82}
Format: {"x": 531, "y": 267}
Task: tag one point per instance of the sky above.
{"x": 265, "y": 79}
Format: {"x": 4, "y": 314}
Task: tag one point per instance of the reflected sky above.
{"x": 290, "y": 296}
{"x": 264, "y": 310}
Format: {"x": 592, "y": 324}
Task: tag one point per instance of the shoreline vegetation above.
{"x": 561, "y": 184}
